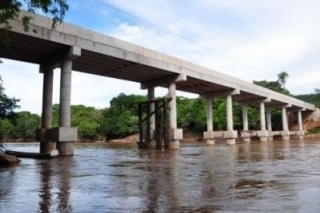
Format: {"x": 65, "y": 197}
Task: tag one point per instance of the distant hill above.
{"x": 310, "y": 98}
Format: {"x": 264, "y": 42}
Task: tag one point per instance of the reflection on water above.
{"x": 275, "y": 176}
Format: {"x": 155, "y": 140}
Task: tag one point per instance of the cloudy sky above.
{"x": 250, "y": 40}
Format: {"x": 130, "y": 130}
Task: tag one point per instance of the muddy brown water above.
{"x": 275, "y": 176}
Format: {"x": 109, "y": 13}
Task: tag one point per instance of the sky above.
{"x": 250, "y": 40}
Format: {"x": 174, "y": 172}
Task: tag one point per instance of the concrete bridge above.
{"x": 73, "y": 48}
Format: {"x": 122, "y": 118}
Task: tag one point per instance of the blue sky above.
{"x": 250, "y": 40}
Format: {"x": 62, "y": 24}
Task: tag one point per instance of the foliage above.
{"x": 25, "y": 125}
{"x": 273, "y": 85}
{"x": 7, "y": 105}
{"x": 6, "y": 128}
{"x": 10, "y": 9}
{"x": 282, "y": 78}
{"x": 311, "y": 98}
{"x": 121, "y": 118}
{"x": 314, "y": 131}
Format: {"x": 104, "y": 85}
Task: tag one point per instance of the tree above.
{"x": 282, "y": 78}
{"x": 7, "y": 105}
{"x": 10, "y": 9}
{"x": 273, "y": 85}
{"x": 26, "y": 124}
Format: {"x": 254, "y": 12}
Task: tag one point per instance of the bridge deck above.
{"x": 106, "y": 56}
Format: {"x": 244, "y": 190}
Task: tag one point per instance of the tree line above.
{"x": 121, "y": 118}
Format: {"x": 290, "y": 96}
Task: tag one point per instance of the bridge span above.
{"x": 73, "y": 48}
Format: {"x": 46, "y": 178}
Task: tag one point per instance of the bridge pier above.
{"x": 230, "y": 135}
{"x": 245, "y": 133}
{"x": 269, "y": 125}
{"x": 175, "y": 134}
{"x": 209, "y": 135}
{"x": 285, "y": 128}
{"x": 43, "y": 134}
{"x": 65, "y": 142}
{"x": 151, "y": 97}
{"x": 300, "y": 132}
{"x": 263, "y": 134}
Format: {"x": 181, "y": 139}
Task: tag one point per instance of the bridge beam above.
{"x": 175, "y": 134}
{"x": 164, "y": 81}
{"x": 209, "y": 134}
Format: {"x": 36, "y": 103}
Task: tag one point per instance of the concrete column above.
{"x": 151, "y": 97}
{"x": 245, "y": 134}
{"x": 263, "y": 134}
{"x": 46, "y": 145}
{"x": 245, "y": 118}
{"x": 300, "y": 132}
{"x": 209, "y": 136}
{"x": 269, "y": 125}
{"x": 230, "y": 135}
{"x": 175, "y": 133}
{"x": 65, "y": 147}
{"x": 229, "y": 113}
{"x": 285, "y": 129}
{"x": 65, "y": 94}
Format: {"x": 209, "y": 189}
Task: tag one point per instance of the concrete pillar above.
{"x": 300, "y": 132}
{"x": 151, "y": 97}
{"x": 65, "y": 94}
{"x": 230, "y": 135}
{"x": 209, "y": 136}
{"x": 263, "y": 134}
{"x": 285, "y": 129}
{"x": 245, "y": 134}
{"x": 269, "y": 125}
{"x": 46, "y": 145}
{"x": 245, "y": 118}
{"x": 65, "y": 147}
{"x": 175, "y": 133}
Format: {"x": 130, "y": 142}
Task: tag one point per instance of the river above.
{"x": 278, "y": 176}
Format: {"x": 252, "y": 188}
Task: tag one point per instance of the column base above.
{"x": 175, "y": 144}
{"x": 152, "y": 144}
{"x": 247, "y": 140}
{"x": 301, "y": 137}
{"x": 47, "y": 147}
{"x": 263, "y": 139}
{"x": 210, "y": 141}
{"x": 270, "y": 138}
{"x": 65, "y": 148}
{"x": 231, "y": 141}
{"x": 285, "y": 137}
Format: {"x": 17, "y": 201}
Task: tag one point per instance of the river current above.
{"x": 278, "y": 176}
